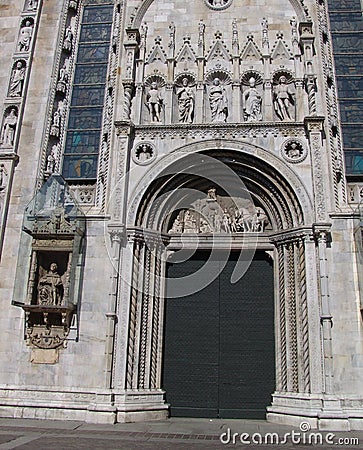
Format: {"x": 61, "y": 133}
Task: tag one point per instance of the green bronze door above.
{"x": 219, "y": 358}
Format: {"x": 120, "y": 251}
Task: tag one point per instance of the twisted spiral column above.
{"x": 133, "y": 316}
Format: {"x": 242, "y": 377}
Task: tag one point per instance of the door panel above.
{"x": 219, "y": 343}
{"x": 246, "y": 365}
{"x": 191, "y": 348}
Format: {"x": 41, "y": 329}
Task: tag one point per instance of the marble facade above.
{"x": 190, "y": 85}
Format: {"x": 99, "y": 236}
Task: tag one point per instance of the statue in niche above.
{"x": 190, "y": 225}
{"x": 26, "y": 32}
{"x": 17, "y": 80}
{"x": 284, "y": 100}
{"x": 226, "y": 221}
{"x": 186, "y": 102}
{"x": 177, "y": 225}
{"x": 50, "y": 287}
{"x": 252, "y": 102}
{"x": 3, "y": 176}
{"x": 68, "y": 39}
{"x": 9, "y": 126}
{"x": 51, "y": 159}
{"x": 57, "y": 116}
{"x": 218, "y": 101}
{"x": 154, "y": 103}
{"x": 63, "y": 77}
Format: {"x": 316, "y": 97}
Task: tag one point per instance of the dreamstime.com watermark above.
{"x": 304, "y": 436}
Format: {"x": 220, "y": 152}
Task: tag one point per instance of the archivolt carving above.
{"x": 286, "y": 176}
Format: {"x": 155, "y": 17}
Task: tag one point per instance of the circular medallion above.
{"x": 293, "y": 150}
{"x": 218, "y": 4}
{"x": 144, "y": 153}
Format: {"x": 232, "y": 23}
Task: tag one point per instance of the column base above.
{"x": 105, "y": 407}
{"x": 316, "y": 411}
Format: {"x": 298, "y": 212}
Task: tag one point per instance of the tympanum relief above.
{"x": 220, "y": 214}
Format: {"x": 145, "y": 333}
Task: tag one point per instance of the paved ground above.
{"x": 203, "y": 434}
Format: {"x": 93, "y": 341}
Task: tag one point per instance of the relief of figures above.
{"x": 209, "y": 215}
{"x": 284, "y": 100}
{"x": 50, "y": 287}
{"x": 186, "y": 102}
{"x": 252, "y": 101}
{"x": 218, "y": 101}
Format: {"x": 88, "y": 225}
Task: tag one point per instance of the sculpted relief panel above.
{"x": 220, "y": 214}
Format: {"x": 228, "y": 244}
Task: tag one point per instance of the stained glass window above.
{"x": 347, "y": 25}
{"x": 88, "y": 93}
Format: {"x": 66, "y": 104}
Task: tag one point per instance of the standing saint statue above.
{"x": 154, "y": 103}
{"x": 284, "y": 100}
{"x": 252, "y": 102}
{"x": 186, "y": 102}
{"x": 17, "y": 80}
{"x": 218, "y": 102}
{"x": 25, "y": 37}
{"x": 9, "y": 126}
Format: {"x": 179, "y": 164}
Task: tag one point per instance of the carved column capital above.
{"x": 314, "y": 124}
{"x": 133, "y": 37}
{"x": 117, "y": 233}
{"x": 306, "y": 30}
{"x": 124, "y": 128}
{"x": 322, "y": 232}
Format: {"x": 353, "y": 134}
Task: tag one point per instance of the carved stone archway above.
{"x": 289, "y": 239}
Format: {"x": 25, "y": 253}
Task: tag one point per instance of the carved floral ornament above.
{"x": 218, "y": 214}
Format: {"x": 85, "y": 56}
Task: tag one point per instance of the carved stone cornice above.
{"x": 222, "y": 130}
{"x": 12, "y": 156}
{"x": 291, "y": 236}
{"x": 145, "y": 235}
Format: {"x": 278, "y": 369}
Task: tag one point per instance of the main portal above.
{"x": 219, "y": 357}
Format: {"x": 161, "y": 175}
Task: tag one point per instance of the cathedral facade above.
{"x": 180, "y": 226}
